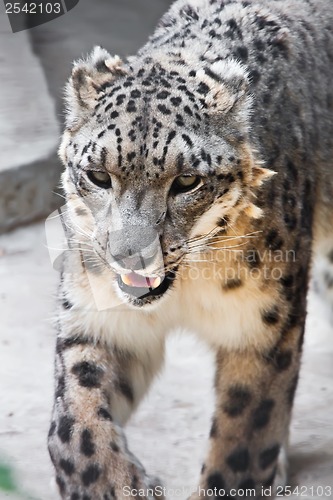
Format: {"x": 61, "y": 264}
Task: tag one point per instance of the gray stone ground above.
{"x": 169, "y": 431}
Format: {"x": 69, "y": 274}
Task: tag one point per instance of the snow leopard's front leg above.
{"x": 97, "y": 387}
{"x": 254, "y": 391}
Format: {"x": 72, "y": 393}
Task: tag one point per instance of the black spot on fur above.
{"x": 259, "y": 44}
{"x": 269, "y": 456}
{"x": 61, "y": 485}
{"x": 67, "y": 343}
{"x": 65, "y": 428}
{"x": 135, "y": 94}
{"x": 171, "y": 136}
{"x": 131, "y": 156}
{"x": 240, "y": 174}
{"x": 229, "y": 177}
{"x": 242, "y": 54}
{"x": 90, "y": 475}
{"x": 203, "y": 88}
{"x": 120, "y": 99}
{"x": 87, "y": 446}
{"x": 100, "y": 135}
{"x": 222, "y": 221}
{"x": 271, "y": 317}
{"x": 52, "y": 429}
{"x": 213, "y": 430}
{"x": 239, "y": 460}
{"x": 180, "y": 120}
{"x": 287, "y": 283}
{"x": 234, "y": 30}
{"x": 103, "y": 413}
{"x": 114, "y": 447}
{"x": 66, "y": 304}
{"x": 75, "y": 496}
{"x": 188, "y": 110}
{"x": 188, "y": 141}
{"x": 67, "y": 466}
{"x": 253, "y": 259}
{"x": 131, "y": 108}
{"x": 290, "y": 221}
{"x": 283, "y": 360}
{"x": 248, "y": 484}
{"x": 232, "y": 284}
{"x": 163, "y": 109}
{"x": 273, "y": 240}
{"x": 262, "y": 414}
{"x": 176, "y": 101}
{"x": 267, "y": 97}
{"x": 180, "y": 162}
{"x": 104, "y": 154}
{"x": 212, "y": 75}
{"x": 88, "y": 374}
{"x": 123, "y": 386}
{"x": 254, "y": 76}
{"x": 292, "y": 389}
{"x": 238, "y": 400}
{"x": 164, "y": 94}
{"x": 215, "y": 480}
{"x": 60, "y": 390}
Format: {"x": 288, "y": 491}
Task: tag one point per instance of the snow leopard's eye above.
{"x": 100, "y": 179}
{"x": 185, "y": 183}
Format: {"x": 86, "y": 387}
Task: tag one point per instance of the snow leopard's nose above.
{"x": 135, "y": 248}
{"x": 134, "y": 262}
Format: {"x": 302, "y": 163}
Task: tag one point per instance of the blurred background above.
{"x": 170, "y": 429}
{"x": 34, "y": 67}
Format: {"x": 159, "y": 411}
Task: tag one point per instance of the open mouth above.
{"x": 144, "y": 286}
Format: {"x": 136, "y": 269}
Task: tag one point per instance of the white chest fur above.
{"x": 230, "y": 318}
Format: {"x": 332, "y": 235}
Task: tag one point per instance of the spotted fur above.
{"x": 237, "y": 95}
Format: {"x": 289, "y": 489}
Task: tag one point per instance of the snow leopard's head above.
{"x": 158, "y": 164}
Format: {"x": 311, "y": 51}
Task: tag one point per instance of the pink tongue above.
{"x": 134, "y": 279}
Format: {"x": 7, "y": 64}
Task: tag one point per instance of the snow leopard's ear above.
{"x": 88, "y": 80}
{"x": 225, "y": 87}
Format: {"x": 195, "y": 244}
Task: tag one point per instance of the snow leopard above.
{"x": 199, "y": 184}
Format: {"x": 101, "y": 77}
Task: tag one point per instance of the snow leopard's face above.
{"x": 158, "y": 166}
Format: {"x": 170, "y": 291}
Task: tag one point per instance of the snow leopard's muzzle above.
{"x": 136, "y": 256}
